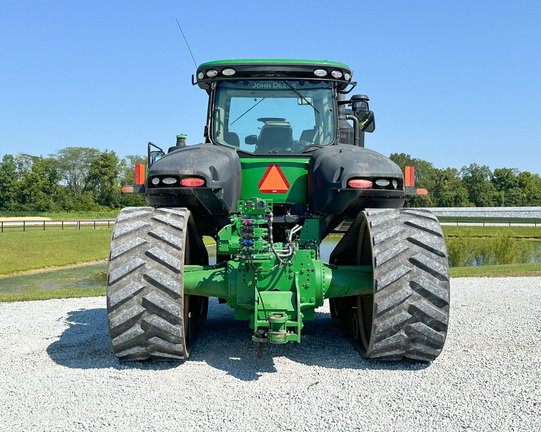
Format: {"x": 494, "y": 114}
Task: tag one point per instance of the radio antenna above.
{"x": 187, "y": 44}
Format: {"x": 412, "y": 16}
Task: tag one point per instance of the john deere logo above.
{"x": 273, "y": 181}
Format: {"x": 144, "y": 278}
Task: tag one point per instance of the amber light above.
{"x": 192, "y": 182}
{"x": 127, "y": 189}
{"x": 360, "y": 184}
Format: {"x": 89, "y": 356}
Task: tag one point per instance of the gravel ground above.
{"x": 57, "y": 373}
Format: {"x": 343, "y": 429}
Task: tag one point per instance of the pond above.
{"x": 463, "y": 251}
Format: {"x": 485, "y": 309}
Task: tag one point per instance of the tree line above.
{"x": 88, "y": 179}
{"x": 72, "y": 179}
{"x": 472, "y": 186}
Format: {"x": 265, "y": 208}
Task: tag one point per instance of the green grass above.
{"x": 488, "y": 219}
{"x": 479, "y": 231}
{"x": 507, "y": 270}
{"x": 52, "y": 294}
{"x": 38, "y": 249}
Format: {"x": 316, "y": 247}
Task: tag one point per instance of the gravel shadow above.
{"x": 85, "y": 345}
{"x": 223, "y": 343}
{"x": 227, "y": 345}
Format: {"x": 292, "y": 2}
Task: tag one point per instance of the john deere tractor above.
{"x": 283, "y": 166}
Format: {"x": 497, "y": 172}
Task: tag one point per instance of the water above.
{"x": 465, "y": 251}
{"x": 81, "y": 277}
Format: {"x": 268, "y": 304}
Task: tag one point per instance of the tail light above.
{"x": 192, "y": 182}
{"x": 360, "y": 184}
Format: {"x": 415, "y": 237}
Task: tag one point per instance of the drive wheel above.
{"x": 148, "y": 315}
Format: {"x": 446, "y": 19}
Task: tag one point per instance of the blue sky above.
{"x": 451, "y": 82}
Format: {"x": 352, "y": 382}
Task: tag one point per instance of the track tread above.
{"x": 164, "y": 258}
{"x": 161, "y": 280}
{"x": 126, "y": 247}
{"x": 125, "y": 270}
{"x": 145, "y": 300}
{"x": 410, "y": 307}
{"x": 125, "y": 293}
{"x": 390, "y": 253}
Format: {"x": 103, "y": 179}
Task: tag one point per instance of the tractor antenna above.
{"x": 187, "y": 44}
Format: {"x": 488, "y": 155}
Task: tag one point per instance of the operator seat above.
{"x": 275, "y": 135}
{"x": 232, "y": 139}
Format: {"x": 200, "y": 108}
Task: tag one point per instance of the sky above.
{"x": 451, "y": 82}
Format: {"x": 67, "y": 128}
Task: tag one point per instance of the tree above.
{"x": 74, "y": 165}
{"x": 102, "y": 178}
{"x": 505, "y": 182}
{"x": 9, "y": 179}
{"x": 476, "y": 180}
{"x": 38, "y": 189}
{"x": 530, "y": 188}
{"x": 448, "y": 189}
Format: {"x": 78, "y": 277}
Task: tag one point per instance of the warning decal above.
{"x": 273, "y": 181}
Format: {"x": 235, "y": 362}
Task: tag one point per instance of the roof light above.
{"x": 347, "y": 76}
{"x": 229, "y": 72}
{"x": 320, "y": 73}
{"x": 200, "y": 75}
{"x": 360, "y": 184}
{"x": 212, "y": 73}
{"x": 336, "y": 74}
{"x": 383, "y": 182}
{"x": 155, "y": 180}
{"x": 169, "y": 180}
{"x": 192, "y": 182}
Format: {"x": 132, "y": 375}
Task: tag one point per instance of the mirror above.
{"x": 251, "y": 139}
{"x": 367, "y": 121}
{"x": 361, "y": 110}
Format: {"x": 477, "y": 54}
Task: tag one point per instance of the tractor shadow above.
{"x": 85, "y": 345}
{"x": 223, "y": 343}
{"x": 227, "y": 345}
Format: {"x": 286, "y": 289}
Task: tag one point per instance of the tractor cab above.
{"x": 277, "y": 107}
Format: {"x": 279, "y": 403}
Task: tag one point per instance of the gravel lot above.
{"x": 57, "y": 373}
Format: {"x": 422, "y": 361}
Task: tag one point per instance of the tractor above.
{"x": 283, "y": 165}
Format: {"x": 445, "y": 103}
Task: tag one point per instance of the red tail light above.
{"x": 192, "y": 182}
{"x": 360, "y": 184}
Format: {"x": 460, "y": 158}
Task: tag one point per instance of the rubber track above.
{"x": 145, "y": 304}
{"x": 411, "y": 285}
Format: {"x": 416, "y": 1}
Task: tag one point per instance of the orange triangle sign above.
{"x": 273, "y": 181}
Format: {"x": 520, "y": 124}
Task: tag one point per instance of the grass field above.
{"x": 38, "y": 249}
{"x": 491, "y": 231}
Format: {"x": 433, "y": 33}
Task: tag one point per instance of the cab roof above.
{"x": 272, "y": 69}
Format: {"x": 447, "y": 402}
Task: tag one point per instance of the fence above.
{"x": 49, "y": 224}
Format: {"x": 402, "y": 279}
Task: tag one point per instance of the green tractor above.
{"x": 283, "y": 166}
